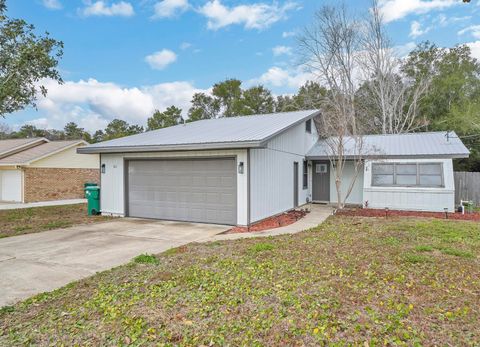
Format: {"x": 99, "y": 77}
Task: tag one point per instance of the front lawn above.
{"x": 35, "y": 219}
{"x": 353, "y": 280}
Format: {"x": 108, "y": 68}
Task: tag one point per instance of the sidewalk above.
{"x": 317, "y": 215}
{"x": 16, "y": 205}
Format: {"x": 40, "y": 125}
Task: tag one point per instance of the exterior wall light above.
{"x": 240, "y": 167}
{"x": 103, "y": 168}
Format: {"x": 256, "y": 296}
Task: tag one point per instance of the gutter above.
{"x": 418, "y": 156}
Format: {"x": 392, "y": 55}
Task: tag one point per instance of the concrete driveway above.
{"x": 35, "y": 263}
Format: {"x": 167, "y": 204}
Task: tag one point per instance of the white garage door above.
{"x": 11, "y": 185}
{"x": 194, "y": 190}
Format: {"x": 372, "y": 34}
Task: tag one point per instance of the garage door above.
{"x": 11, "y": 185}
{"x": 194, "y": 190}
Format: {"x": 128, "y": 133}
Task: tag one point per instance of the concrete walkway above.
{"x": 318, "y": 214}
{"x": 15, "y": 205}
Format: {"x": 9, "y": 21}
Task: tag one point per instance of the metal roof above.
{"x": 229, "y": 132}
{"x": 32, "y": 154}
{"x": 420, "y": 145}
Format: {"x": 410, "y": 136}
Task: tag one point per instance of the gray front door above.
{"x": 321, "y": 181}
{"x": 295, "y": 184}
{"x": 193, "y": 190}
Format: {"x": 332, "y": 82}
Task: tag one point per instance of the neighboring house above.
{"x": 37, "y": 169}
{"x": 236, "y": 170}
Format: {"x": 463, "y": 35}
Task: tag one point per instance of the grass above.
{"x": 350, "y": 281}
{"x": 36, "y": 219}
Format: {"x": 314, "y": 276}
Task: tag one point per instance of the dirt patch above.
{"x": 281, "y": 220}
{"x": 36, "y": 219}
{"x": 370, "y": 212}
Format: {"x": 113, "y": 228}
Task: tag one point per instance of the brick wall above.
{"x": 44, "y": 184}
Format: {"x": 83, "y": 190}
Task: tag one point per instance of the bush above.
{"x": 146, "y": 259}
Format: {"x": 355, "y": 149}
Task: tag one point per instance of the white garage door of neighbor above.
{"x": 11, "y": 185}
{"x": 193, "y": 190}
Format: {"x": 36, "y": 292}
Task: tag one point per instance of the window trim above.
{"x": 308, "y": 126}
{"x": 305, "y": 175}
{"x": 417, "y": 185}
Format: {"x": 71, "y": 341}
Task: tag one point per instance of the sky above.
{"x": 126, "y": 58}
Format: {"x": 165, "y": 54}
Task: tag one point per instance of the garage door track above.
{"x": 35, "y": 263}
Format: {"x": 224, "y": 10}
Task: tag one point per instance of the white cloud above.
{"x": 472, "y": 29}
{"x": 52, "y": 4}
{"x": 475, "y": 48}
{"x": 403, "y": 50}
{"x": 253, "y": 16}
{"x": 393, "y": 10}
{"x": 161, "y": 59}
{"x": 93, "y": 104}
{"x": 170, "y": 8}
{"x": 281, "y": 50}
{"x": 416, "y": 29}
{"x": 287, "y": 34}
{"x": 102, "y": 8}
{"x": 185, "y": 45}
{"x": 278, "y": 77}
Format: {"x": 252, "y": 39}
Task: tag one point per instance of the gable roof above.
{"x": 11, "y": 146}
{"x": 231, "y": 132}
{"x": 440, "y": 144}
{"x": 35, "y": 153}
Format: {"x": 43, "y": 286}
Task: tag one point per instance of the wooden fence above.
{"x": 467, "y": 187}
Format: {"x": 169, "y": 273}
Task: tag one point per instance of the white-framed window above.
{"x": 407, "y": 175}
{"x": 321, "y": 168}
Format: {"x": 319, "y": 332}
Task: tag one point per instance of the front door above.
{"x": 295, "y": 184}
{"x": 321, "y": 181}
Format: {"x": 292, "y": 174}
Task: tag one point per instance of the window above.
{"x": 407, "y": 174}
{"x": 321, "y": 168}
{"x": 305, "y": 174}
{"x": 308, "y": 126}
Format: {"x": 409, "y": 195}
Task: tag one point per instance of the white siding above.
{"x": 411, "y": 198}
{"x": 271, "y": 183}
{"x": 356, "y": 195}
{"x": 11, "y": 185}
{"x": 112, "y": 181}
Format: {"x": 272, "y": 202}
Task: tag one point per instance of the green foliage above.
{"x": 424, "y": 248}
{"x": 256, "y": 100}
{"x": 261, "y": 247}
{"x": 25, "y": 59}
{"x": 170, "y": 117}
{"x": 119, "y": 128}
{"x": 203, "y": 107}
{"x": 416, "y": 258}
{"x": 146, "y": 259}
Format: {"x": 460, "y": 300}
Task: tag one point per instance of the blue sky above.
{"x": 125, "y": 58}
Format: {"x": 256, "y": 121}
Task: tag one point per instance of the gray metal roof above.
{"x": 418, "y": 145}
{"x": 231, "y": 132}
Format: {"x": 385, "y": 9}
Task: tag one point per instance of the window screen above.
{"x": 407, "y": 174}
{"x": 305, "y": 174}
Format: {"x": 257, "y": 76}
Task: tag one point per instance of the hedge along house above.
{"x": 37, "y": 169}
{"x": 405, "y": 171}
{"x": 234, "y": 171}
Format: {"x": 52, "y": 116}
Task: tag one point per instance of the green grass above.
{"x": 351, "y": 281}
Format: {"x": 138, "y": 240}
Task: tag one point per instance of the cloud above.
{"x": 52, "y": 4}
{"x": 93, "y": 104}
{"x": 185, "y": 45}
{"x": 170, "y": 8}
{"x": 474, "y": 30}
{"x": 281, "y": 50}
{"x": 253, "y": 16}
{"x": 475, "y": 48}
{"x": 101, "y": 8}
{"x": 403, "y": 50}
{"x": 287, "y": 34}
{"x": 393, "y": 10}
{"x": 278, "y": 77}
{"x": 161, "y": 59}
{"x": 416, "y": 29}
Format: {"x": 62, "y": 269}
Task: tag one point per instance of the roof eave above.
{"x": 172, "y": 148}
{"x": 379, "y": 157}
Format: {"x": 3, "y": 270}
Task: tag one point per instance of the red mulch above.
{"x": 281, "y": 220}
{"x": 370, "y": 212}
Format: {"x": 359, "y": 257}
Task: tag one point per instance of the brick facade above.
{"x": 44, "y": 184}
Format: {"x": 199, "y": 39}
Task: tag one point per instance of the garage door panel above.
{"x": 198, "y": 190}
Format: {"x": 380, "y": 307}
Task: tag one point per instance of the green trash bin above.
{"x": 88, "y": 184}
{"x": 92, "y": 193}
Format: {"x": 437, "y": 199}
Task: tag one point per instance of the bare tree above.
{"x": 330, "y": 50}
{"x": 395, "y": 96}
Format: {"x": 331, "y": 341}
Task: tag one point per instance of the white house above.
{"x": 235, "y": 171}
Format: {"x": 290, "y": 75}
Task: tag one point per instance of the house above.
{"x": 37, "y": 169}
{"x": 241, "y": 170}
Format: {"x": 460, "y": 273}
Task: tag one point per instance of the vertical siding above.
{"x": 271, "y": 183}
{"x": 112, "y": 181}
{"x": 356, "y": 196}
{"x": 411, "y": 198}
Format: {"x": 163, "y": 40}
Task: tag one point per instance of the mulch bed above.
{"x": 370, "y": 212}
{"x": 281, "y": 220}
